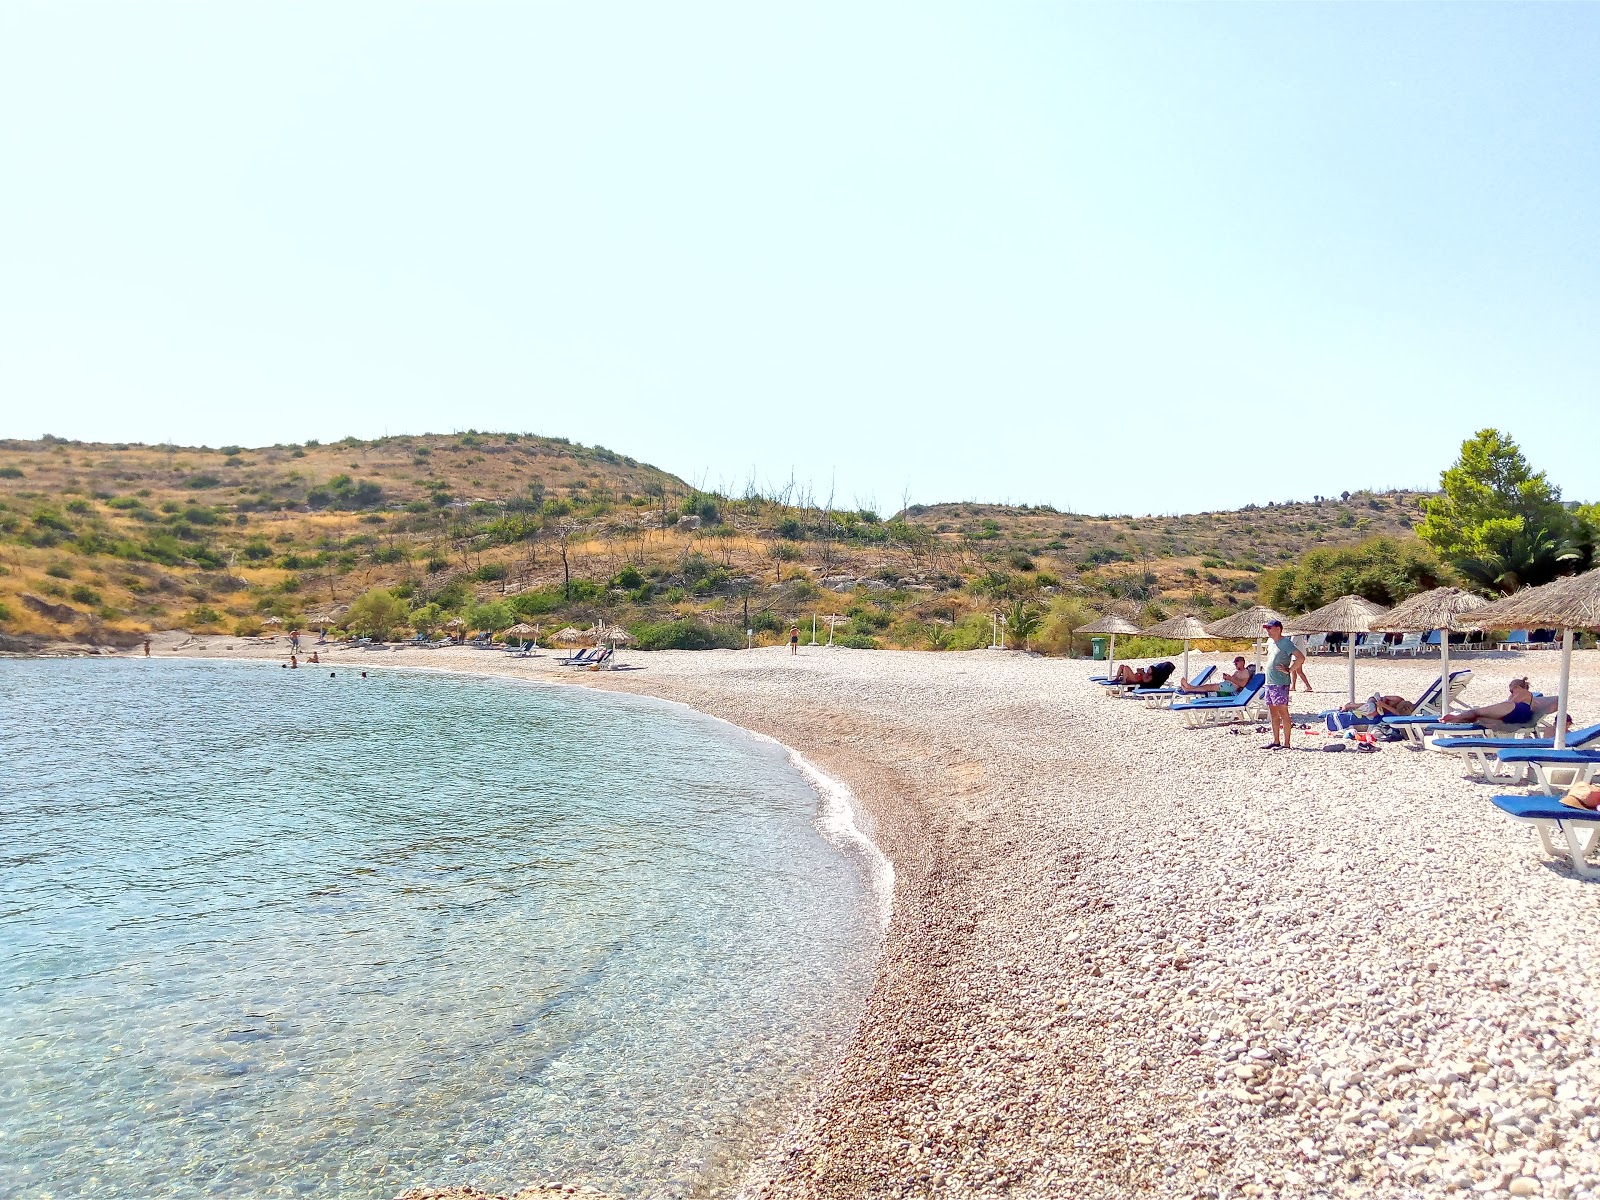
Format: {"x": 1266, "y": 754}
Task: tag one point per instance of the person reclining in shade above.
{"x": 1230, "y": 684}
{"x": 1152, "y": 676}
{"x": 1378, "y": 705}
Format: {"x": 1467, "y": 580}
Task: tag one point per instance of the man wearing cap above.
{"x": 1284, "y": 661}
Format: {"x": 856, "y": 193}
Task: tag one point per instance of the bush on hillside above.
{"x": 685, "y": 635}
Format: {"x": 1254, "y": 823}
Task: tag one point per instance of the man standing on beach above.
{"x": 1286, "y": 659}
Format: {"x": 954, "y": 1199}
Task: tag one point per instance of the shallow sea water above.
{"x": 272, "y": 933}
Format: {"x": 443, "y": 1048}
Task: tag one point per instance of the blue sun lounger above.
{"x": 1578, "y": 829}
{"x": 1223, "y": 710}
{"x": 1482, "y": 753}
{"x": 1162, "y": 697}
{"x": 1576, "y": 766}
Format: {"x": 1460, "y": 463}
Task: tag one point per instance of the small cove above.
{"x": 279, "y": 933}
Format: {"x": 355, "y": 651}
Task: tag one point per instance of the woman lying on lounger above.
{"x": 1518, "y": 710}
{"x": 1230, "y": 684}
{"x": 1152, "y": 676}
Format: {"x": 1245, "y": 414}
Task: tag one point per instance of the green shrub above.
{"x": 855, "y": 641}
{"x": 5, "y": 609}
{"x": 59, "y": 570}
{"x": 11, "y": 473}
{"x": 685, "y": 635}
{"x": 491, "y": 573}
{"x": 200, "y": 482}
{"x": 84, "y": 594}
{"x": 201, "y": 618}
{"x": 536, "y": 602}
{"x": 377, "y": 614}
{"x": 493, "y": 617}
{"x": 123, "y": 502}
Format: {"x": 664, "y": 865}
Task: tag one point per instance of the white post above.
{"x": 1002, "y": 633}
{"x": 1561, "y": 696}
{"x": 1444, "y": 673}
{"x": 994, "y": 631}
{"x": 1186, "y": 658}
{"x": 1352, "y": 638}
{"x": 813, "y": 629}
{"x": 1111, "y": 658}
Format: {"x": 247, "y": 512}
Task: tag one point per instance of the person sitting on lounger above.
{"x": 1518, "y": 710}
{"x": 1230, "y": 684}
{"x": 1151, "y": 677}
{"x": 1378, "y": 705}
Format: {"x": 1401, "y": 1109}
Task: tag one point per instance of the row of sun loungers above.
{"x": 1516, "y": 755}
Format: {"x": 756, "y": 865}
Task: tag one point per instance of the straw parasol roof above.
{"x": 1347, "y": 614}
{"x": 521, "y": 629}
{"x": 569, "y": 634}
{"x": 1246, "y": 624}
{"x": 1435, "y": 609}
{"x": 1110, "y": 623}
{"x": 273, "y": 621}
{"x": 1188, "y": 628}
{"x": 614, "y": 634}
{"x": 455, "y": 623}
{"x": 1570, "y": 603}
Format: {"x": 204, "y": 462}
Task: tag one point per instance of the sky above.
{"x": 1114, "y": 258}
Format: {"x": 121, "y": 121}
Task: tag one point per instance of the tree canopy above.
{"x": 1498, "y": 521}
{"x": 1385, "y": 570}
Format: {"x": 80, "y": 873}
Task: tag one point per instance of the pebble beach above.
{"x": 1129, "y": 958}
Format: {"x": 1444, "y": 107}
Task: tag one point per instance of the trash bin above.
{"x": 1099, "y": 645}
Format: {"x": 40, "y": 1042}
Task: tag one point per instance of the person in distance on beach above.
{"x": 294, "y": 663}
{"x": 1298, "y": 674}
{"x": 1152, "y": 676}
{"x": 1285, "y": 658}
{"x": 794, "y": 639}
{"x": 1229, "y": 685}
{"x": 147, "y": 647}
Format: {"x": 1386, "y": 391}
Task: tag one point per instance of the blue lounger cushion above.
{"x": 1541, "y": 808}
{"x": 1542, "y": 755}
{"x": 1577, "y": 739}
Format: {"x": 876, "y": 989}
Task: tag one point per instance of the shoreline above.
{"x": 1130, "y": 958}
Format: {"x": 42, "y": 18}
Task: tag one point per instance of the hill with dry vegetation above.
{"x": 100, "y": 543}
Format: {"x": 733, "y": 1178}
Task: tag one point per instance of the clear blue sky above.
{"x": 1113, "y": 258}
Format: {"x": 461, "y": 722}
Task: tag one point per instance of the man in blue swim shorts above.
{"x": 1284, "y": 659}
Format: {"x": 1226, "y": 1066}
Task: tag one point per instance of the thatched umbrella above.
{"x": 568, "y": 636}
{"x": 273, "y": 621}
{"x": 1251, "y": 623}
{"x": 520, "y": 631}
{"x": 1567, "y": 604}
{"x": 1349, "y": 615}
{"x": 1427, "y": 611}
{"x": 1112, "y": 624}
{"x": 1188, "y": 627}
{"x": 613, "y": 635}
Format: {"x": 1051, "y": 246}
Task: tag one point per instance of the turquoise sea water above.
{"x": 269, "y": 933}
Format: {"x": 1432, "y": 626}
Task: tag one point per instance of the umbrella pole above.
{"x": 1111, "y": 658}
{"x": 1186, "y": 659}
{"x": 1444, "y": 673}
{"x": 1561, "y": 696}
{"x": 1352, "y": 638}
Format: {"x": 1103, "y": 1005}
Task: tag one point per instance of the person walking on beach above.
{"x": 794, "y": 639}
{"x": 1298, "y": 674}
{"x": 1285, "y": 657}
{"x": 147, "y": 647}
